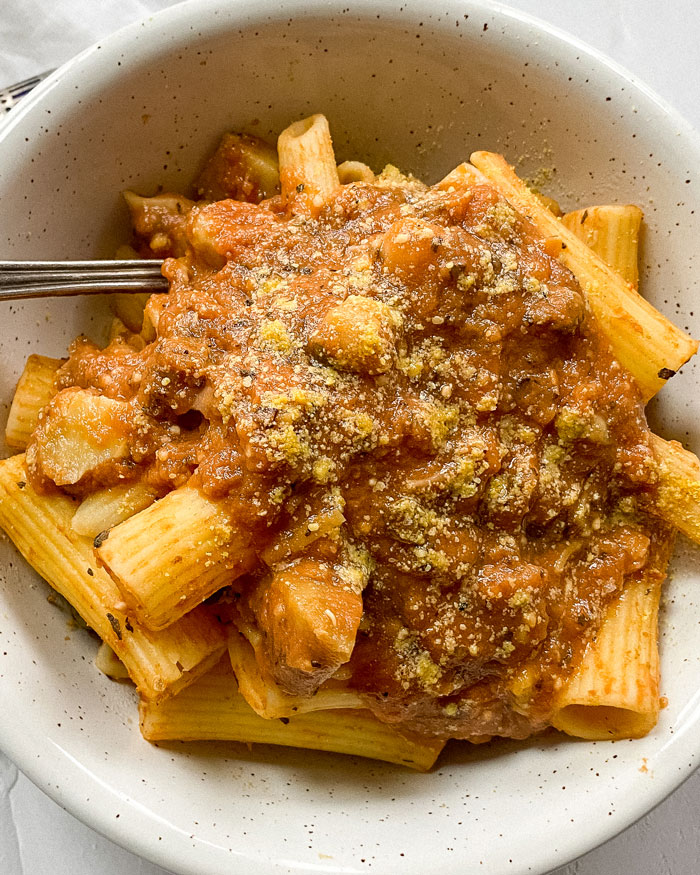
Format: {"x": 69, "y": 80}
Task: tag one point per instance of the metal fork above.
{"x": 41, "y": 279}
{"x": 11, "y": 95}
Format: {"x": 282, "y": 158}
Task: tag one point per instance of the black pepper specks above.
{"x": 100, "y": 539}
{"x": 114, "y": 623}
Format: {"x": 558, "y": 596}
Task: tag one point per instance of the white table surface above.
{"x": 658, "y": 42}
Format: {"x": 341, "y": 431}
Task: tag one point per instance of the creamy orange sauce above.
{"x": 404, "y": 402}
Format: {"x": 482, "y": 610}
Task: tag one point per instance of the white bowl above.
{"x": 399, "y": 82}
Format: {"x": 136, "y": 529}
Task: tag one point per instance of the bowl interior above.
{"x": 420, "y": 89}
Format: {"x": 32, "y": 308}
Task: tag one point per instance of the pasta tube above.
{"x": 354, "y": 171}
{"x": 129, "y": 307}
{"x": 243, "y": 167}
{"x": 677, "y": 498}
{"x": 159, "y": 663}
{"x": 34, "y": 391}
{"x": 612, "y": 232}
{"x": 106, "y": 508}
{"x": 213, "y": 710}
{"x": 107, "y": 661}
{"x": 643, "y": 340}
{"x": 462, "y": 176}
{"x": 308, "y": 173}
{"x": 269, "y": 700}
{"x": 117, "y": 328}
{"x": 159, "y": 222}
{"x": 172, "y": 556}
{"x": 615, "y": 692}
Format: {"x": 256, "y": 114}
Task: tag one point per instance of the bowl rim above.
{"x": 59, "y": 778}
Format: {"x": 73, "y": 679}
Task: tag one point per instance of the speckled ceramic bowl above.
{"x": 399, "y": 82}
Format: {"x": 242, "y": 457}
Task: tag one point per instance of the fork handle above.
{"x": 10, "y": 95}
{"x": 42, "y": 279}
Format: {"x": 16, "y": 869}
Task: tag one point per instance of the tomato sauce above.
{"x": 415, "y": 358}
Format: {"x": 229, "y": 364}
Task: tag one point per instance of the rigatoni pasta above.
{"x": 615, "y": 691}
{"x": 612, "y": 232}
{"x": 104, "y": 509}
{"x": 173, "y": 555}
{"x": 159, "y": 663}
{"x": 308, "y": 172}
{"x": 34, "y": 391}
{"x": 645, "y": 342}
{"x": 212, "y": 710}
{"x": 383, "y": 443}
